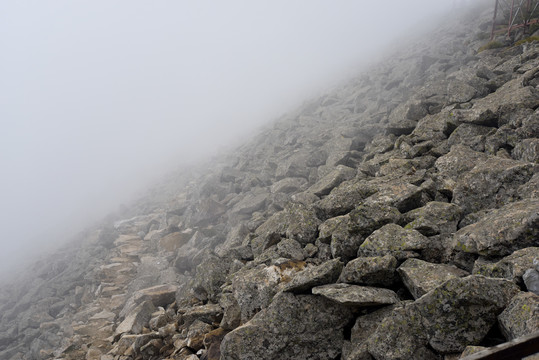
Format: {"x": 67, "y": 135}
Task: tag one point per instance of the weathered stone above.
{"x": 369, "y": 217}
{"x": 344, "y": 198}
{"x": 459, "y": 160}
{"x": 527, "y": 150}
{"x": 420, "y": 276}
{"x": 392, "y": 239}
{"x": 456, "y": 314}
{"x": 511, "y": 267}
{"x": 470, "y": 135}
{"x": 378, "y": 270}
{"x": 210, "y": 275}
{"x": 355, "y": 295}
{"x": 492, "y": 183}
{"x": 174, "y": 241}
{"x": 332, "y": 180}
{"x": 292, "y": 327}
{"x": 295, "y": 222}
{"x": 511, "y": 96}
{"x": 212, "y": 342}
{"x": 401, "y": 195}
{"x": 195, "y": 335}
{"x": 521, "y": 317}
{"x": 136, "y": 319}
{"x": 288, "y": 185}
{"x": 434, "y": 218}
{"x": 502, "y": 231}
{"x": 231, "y": 312}
{"x": 210, "y": 313}
{"x": 434, "y": 127}
{"x": 250, "y": 203}
{"x": 310, "y": 277}
{"x": 254, "y": 289}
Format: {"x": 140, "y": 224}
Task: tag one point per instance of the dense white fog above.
{"x": 99, "y": 98}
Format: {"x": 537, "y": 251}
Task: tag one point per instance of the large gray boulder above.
{"x": 458, "y": 313}
{"x": 420, "y": 276}
{"x": 511, "y": 267}
{"x": 434, "y": 218}
{"x": 344, "y": 198}
{"x": 376, "y": 270}
{"x": 502, "y": 231}
{"x": 392, "y": 239}
{"x": 491, "y": 184}
{"x": 521, "y": 317}
{"x": 292, "y": 327}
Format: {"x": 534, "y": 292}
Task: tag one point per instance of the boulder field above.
{"x": 395, "y": 217}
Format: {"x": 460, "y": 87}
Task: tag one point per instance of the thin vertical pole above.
{"x": 494, "y": 20}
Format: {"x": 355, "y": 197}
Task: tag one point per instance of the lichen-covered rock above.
{"x": 296, "y": 222}
{"x": 491, "y": 184}
{"x": 210, "y": 275}
{"x": 377, "y": 270}
{"x": 392, "y": 239}
{"x": 332, "y": 180}
{"x": 511, "y": 267}
{"x": 502, "y": 231}
{"x": 458, "y": 313}
{"x": 461, "y": 311}
{"x": 344, "y": 198}
{"x": 527, "y": 150}
{"x": 209, "y": 313}
{"x": 309, "y": 277}
{"x": 471, "y": 135}
{"x": 420, "y": 276}
{"x": 292, "y": 327}
{"x": 355, "y": 295}
{"x": 521, "y": 317}
{"x": 458, "y": 161}
{"x": 401, "y": 195}
{"x": 288, "y": 185}
{"x": 434, "y": 218}
{"x": 366, "y": 218}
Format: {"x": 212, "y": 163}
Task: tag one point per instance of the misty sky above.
{"x": 97, "y": 98}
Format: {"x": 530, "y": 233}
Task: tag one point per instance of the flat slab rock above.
{"x": 521, "y": 317}
{"x": 420, "y": 276}
{"x": 356, "y": 296}
{"x": 325, "y": 273}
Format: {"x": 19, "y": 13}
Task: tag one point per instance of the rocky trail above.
{"x": 395, "y": 217}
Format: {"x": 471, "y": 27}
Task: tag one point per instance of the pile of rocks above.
{"x": 393, "y": 218}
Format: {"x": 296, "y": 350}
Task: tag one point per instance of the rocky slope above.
{"x": 392, "y": 218}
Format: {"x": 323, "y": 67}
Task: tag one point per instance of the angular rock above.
{"x": 288, "y": 185}
{"x": 310, "y": 277}
{"x": 511, "y": 267}
{"x": 174, "y": 241}
{"x": 254, "y": 289}
{"x": 378, "y": 270}
{"x": 295, "y": 222}
{"x": 491, "y": 184}
{"x": 210, "y": 275}
{"x": 392, "y": 239}
{"x": 231, "y": 312}
{"x": 401, "y": 195}
{"x": 356, "y": 296}
{"x": 332, "y": 180}
{"x": 420, "y": 276}
{"x": 434, "y": 218}
{"x": 344, "y": 198}
{"x": 502, "y": 231}
{"x": 195, "y": 334}
{"x": 210, "y": 313}
{"x": 471, "y": 135}
{"x": 367, "y": 218}
{"x": 521, "y": 317}
{"x": 527, "y": 150}
{"x": 292, "y": 327}
{"x": 454, "y": 315}
{"x": 136, "y": 319}
{"x": 458, "y": 161}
